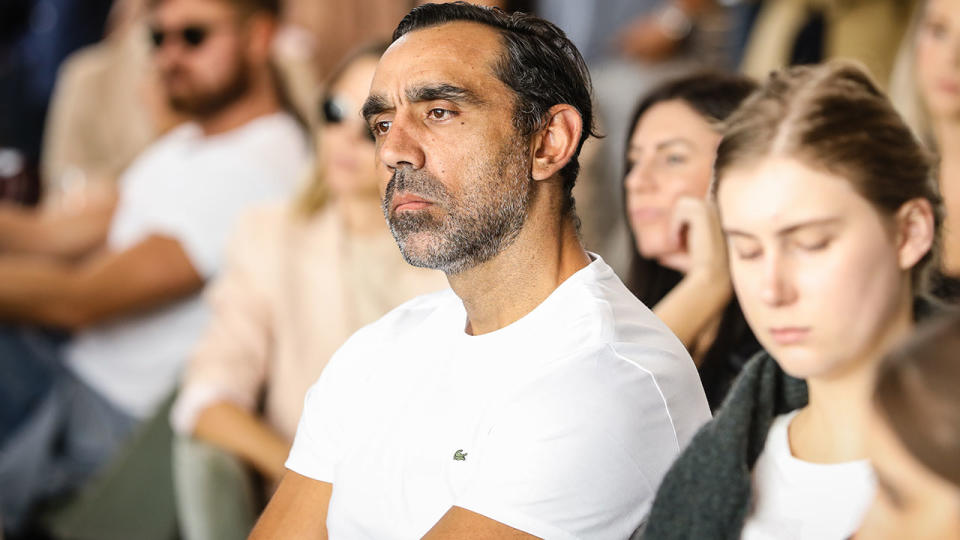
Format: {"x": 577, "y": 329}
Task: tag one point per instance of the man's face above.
{"x": 199, "y": 52}
{"x": 454, "y": 173}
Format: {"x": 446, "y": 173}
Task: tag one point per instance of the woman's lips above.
{"x": 647, "y": 215}
{"x": 789, "y": 335}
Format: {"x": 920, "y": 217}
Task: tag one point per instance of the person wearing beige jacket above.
{"x": 300, "y": 279}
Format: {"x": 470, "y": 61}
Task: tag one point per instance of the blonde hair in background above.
{"x": 315, "y": 193}
{"x": 904, "y": 91}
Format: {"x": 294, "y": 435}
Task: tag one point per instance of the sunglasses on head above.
{"x": 192, "y": 36}
{"x": 335, "y": 111}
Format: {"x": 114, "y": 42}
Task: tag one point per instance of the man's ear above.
{"x": 915, "y": 231}
{"x": 261, "y": 30}
{"x": 555, "y": 143}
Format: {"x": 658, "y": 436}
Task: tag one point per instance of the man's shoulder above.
{"x": 619, "y": 318}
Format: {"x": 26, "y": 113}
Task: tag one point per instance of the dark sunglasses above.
{"x": 192, "y": 36}
{"x": 334, "y": 112}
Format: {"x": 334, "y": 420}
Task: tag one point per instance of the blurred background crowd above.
{"x": 190, "y": 223}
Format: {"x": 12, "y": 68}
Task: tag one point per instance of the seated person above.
{"x": 830, "y": 234}
{"x": 300, "y": 278}
{"x": 538, "y": 397}
{"x": 925, "y": 87}
{"x": 914, "y": 438}
{"x": 125, "y": 277}
{"x": 679, "y": 265}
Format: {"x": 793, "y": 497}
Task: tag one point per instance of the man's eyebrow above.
{"x": 446, "y": 91}
{"x": 374, "y": 105}
{"x": 377, "y": 104}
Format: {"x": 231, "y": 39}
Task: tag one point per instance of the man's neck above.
{"x": 509, "y": 286}
{"x": 260, "y": 100}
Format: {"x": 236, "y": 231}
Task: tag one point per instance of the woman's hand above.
{"x": 701, "y": 255}
{"x": 700, "y": 248}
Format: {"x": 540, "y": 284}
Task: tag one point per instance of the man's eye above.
{"x": 382, "y": 127}
{"x": 439, "y": 114}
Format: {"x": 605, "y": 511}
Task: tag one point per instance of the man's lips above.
{"x": 405, "y": 202}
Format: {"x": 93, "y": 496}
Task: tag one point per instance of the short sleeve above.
{"x": 203, "y": 221}
{"x": 578, "y": 456}
{"x": 319, "y": 441}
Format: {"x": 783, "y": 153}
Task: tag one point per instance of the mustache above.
{"x": 418, "y": 182}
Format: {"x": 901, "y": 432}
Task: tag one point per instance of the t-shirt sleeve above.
{"x": 320, "y": 437}
{"x": 576, "y": 457}
{"x": 203, "y": 220}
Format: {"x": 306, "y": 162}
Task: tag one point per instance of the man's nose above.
{"x": 399, "y": 147}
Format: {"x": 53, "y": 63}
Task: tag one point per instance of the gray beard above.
{"x": 476, "y": 227}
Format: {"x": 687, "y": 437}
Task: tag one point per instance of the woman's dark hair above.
{"x": 714, "y": 96}
{"x": 916, "y": 394}
{"x": 539, "y": 63}
{"x": 833, "y": 118}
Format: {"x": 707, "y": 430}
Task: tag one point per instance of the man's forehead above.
{"x": 459, "y": 53}
{"x": 192, "y": 9}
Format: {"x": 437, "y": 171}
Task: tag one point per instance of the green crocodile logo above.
{"x": 459, "y": 455}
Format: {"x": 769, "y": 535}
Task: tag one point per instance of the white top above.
{"x": 561, "y": 424}
{"x": 799, "y": 500}
{"x": 192, "y": 188}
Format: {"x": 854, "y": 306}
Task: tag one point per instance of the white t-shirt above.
{"x": 192, "y": 188}
{"x": 799, "y": 500}
{"x": 561, "y": 424}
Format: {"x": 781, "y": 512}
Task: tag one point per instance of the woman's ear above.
{"x": 555, "y": 143}
{"x": 916, "y": 229}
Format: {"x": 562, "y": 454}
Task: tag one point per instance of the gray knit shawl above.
{"x": 706, "y": 493}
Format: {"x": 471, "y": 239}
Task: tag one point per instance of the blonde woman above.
{"x": 300, "y": 279}
{"x": 926, "y": 89}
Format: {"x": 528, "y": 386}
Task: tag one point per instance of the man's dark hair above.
{"x": 539, "y": 63}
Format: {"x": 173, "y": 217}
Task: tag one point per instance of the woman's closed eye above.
{"x": 812, "y": 241}
{"x": 745, "y": 249}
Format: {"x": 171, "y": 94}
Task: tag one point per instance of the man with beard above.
{"x": 537, "y": 397}
{"x": 125, "y": 279}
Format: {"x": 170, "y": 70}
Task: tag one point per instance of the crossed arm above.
{"x": 299, "y": 510}
{"x": 56, "y": 234}
{"x": 49, "y": 291}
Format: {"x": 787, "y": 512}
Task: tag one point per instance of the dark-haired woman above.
{"x": 679, "y": 265}
{"x": 830, "y": 234}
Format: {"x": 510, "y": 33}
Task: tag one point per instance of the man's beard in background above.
{"x": 473, "y": 228}
{"x": 206, "y": 103}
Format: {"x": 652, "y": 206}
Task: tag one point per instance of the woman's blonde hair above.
{"x": 904, "y": 92}
{"x": 315, "y": 193}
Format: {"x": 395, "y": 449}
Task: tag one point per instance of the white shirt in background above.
{"x": 191, "y": 188}
{"x": 799, "y": 500}
{"x": 561, "y": 424}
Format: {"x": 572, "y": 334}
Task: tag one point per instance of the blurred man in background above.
{"x": 124, "y": 274}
